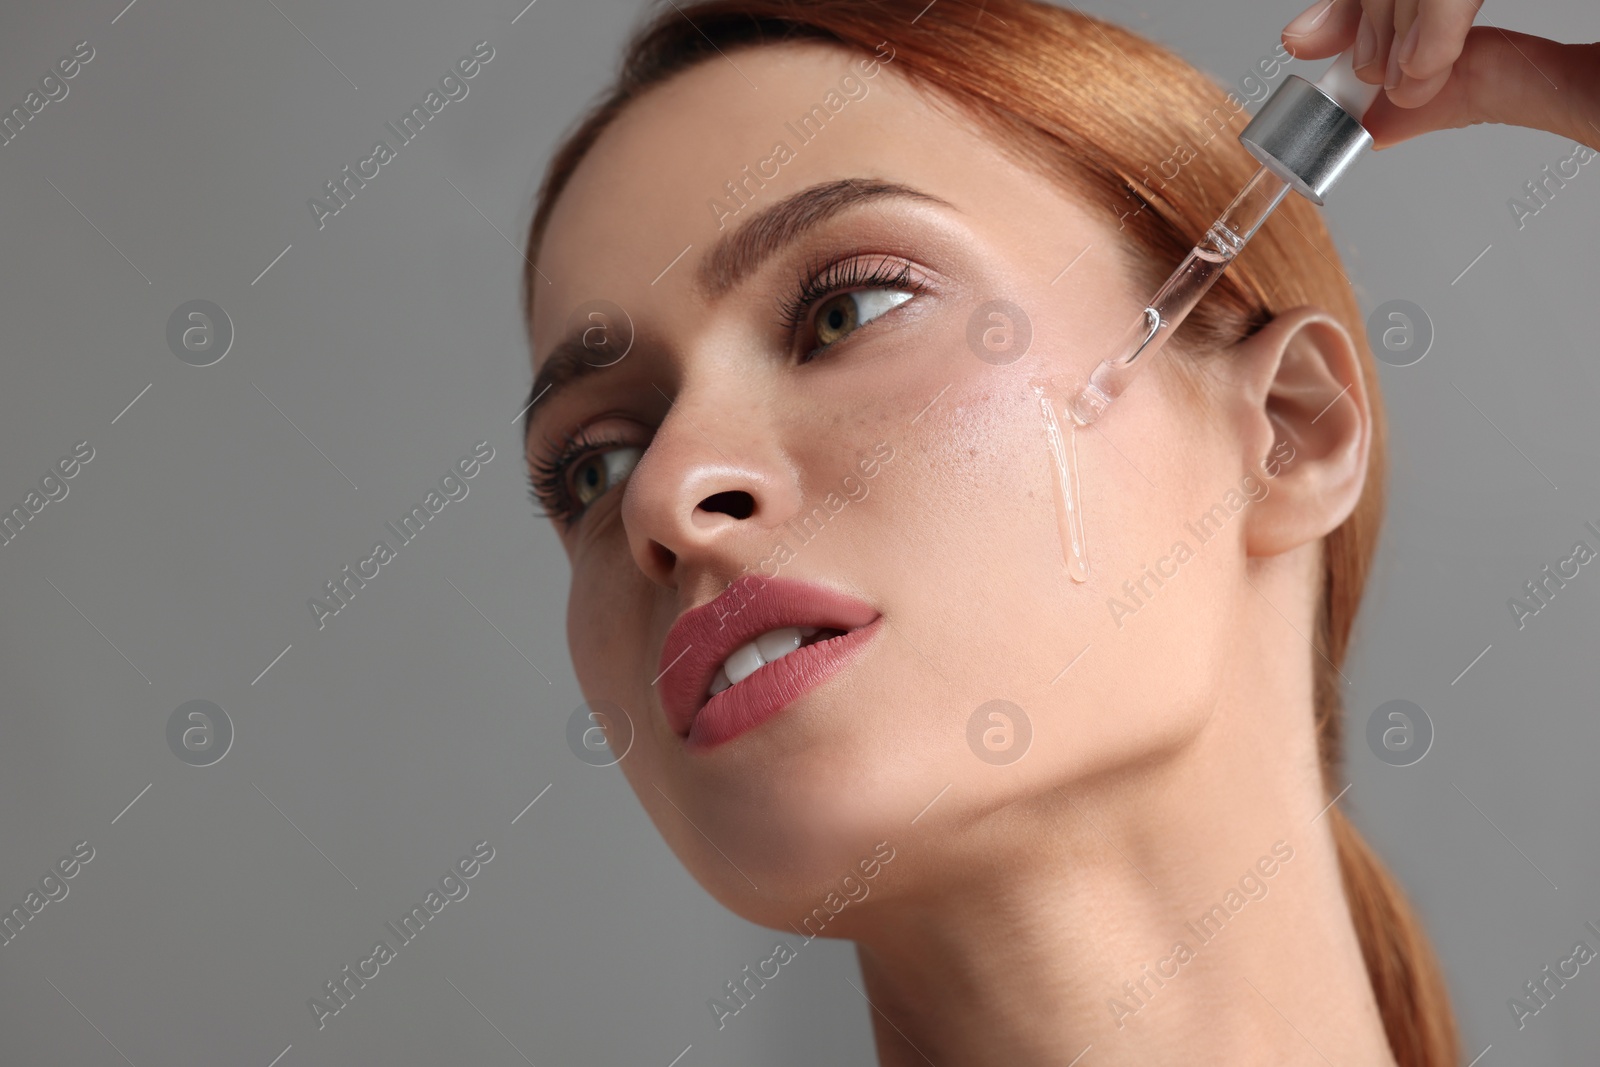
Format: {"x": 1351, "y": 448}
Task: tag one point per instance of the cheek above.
{"x": 958, "y": 542}
{"x": 1159, "y": 594}
{"x": 608, "y": 623}
{"x": 611, "y": 610}
{"x": 982, "y": 589}
{"x": 981, "y": 495}
{"x": 977, "y": 498}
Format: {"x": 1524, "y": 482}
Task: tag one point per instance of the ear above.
{"x": 1305, "y": 422}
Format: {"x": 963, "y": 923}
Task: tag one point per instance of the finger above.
{"x": 1380, "y": 15}
{"x": 1414, "y": 92}
{"x": 1405, "y": 14}
{"x": 1506, "y": 77}
{"x": 1441, "y": 29}
{"x": 1325, "y": 28}
{"x": 1366, "y": 44}
{"x": 1405, "y": 88}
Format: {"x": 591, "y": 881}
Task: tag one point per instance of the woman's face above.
{"x": 904, "y": 468}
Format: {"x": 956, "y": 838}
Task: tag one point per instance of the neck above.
{"x": 1187, "y": 912}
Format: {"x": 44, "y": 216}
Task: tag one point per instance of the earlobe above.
{"x": 1306, "y": 417}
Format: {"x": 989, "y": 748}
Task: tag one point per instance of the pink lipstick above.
{"x": 734, "y": 662}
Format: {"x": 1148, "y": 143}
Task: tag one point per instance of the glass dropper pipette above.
{"x": 1306, "y": 136}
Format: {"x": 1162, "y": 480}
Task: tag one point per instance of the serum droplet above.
{"x": 1068, "y": 493}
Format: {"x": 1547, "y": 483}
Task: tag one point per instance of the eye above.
{"x": 845, "y": 295}
{"x": 598, "y": 472}
{"x": 839, "y": 314}
{"x": 572, "y": 474}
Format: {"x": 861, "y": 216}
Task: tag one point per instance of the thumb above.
{"x": 1505, "y": 77}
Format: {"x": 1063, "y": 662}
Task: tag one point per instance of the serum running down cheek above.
{"x": 1063, "y": 449}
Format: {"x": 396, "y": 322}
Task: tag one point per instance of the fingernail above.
{"x": 1410, "y": 44}
{"x": 1366, "y": 43}
{"x": 1309, "y": 19}
{"x": 1392, "y": 76}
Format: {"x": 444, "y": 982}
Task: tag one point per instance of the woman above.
{"x": 795, "y": 290}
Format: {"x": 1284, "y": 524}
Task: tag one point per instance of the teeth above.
{"x": 767, "y": 648}
{"x": 777, "y": 644}
{"x": 743, "y": 663}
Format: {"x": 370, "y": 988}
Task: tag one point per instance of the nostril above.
{"x": 665, "y": 558}
{"x": 737, "y": 503}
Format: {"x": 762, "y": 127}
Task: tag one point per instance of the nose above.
{"x": 709, "y": 493}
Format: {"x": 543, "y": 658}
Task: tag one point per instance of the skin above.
{"x": 1439, "y": 71}
{"x": 1167, "y": 760}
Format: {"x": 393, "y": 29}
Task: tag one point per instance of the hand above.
{"x": 1439, "y": 71}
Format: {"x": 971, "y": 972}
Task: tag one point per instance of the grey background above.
{"x": 409, "y": 728}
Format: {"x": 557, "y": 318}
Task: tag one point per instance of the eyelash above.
{"x": 815, "y": 285}
{"x": 547, "y": 481}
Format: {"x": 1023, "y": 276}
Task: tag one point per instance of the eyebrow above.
{"x": 732, "y": 259}
{"x": 738, "y": 254}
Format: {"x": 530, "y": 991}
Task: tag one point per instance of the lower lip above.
{"x": 775, "y": 686}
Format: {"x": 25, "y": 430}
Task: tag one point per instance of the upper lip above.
{"x": 703, "y": 637}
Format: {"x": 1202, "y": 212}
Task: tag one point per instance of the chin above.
{"x": 797, "y": 804}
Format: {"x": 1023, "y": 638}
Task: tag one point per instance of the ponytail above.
{"x": 1405, "y": 975}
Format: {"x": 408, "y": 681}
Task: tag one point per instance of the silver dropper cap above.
{"x": 1305, "y": 137}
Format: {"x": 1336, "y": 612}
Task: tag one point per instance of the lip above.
{"x": 703, "y": 637}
